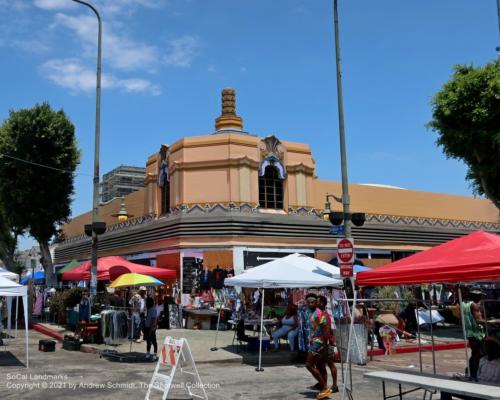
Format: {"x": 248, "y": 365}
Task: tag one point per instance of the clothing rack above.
{"x": 108, "y": 353}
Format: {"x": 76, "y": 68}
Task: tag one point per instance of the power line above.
{"x": 41, "y": 165}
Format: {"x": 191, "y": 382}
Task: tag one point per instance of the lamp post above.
{"x": 340, "y": 102}
{"x": 498, "y": 11}
{"x": 96, "y": 226}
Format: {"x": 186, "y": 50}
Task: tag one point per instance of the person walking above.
{"x": 318, "y": 346}
{"x": 150, "y": 325}
{"x": 330, "y": 356}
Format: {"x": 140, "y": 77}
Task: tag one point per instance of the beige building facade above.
{"x": 236, "y": 200}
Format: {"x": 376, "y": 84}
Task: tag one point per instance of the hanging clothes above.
{"x": 218, "y": 278}
{"x": 304, "y": 317}
{"x": 37, "y": 310}
{"x": 114, "y": 326}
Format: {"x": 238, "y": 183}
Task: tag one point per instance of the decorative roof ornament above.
{"x": 228, "y": 118}
{"x": 272, "y": 151}
{"x": 163, "y": 174}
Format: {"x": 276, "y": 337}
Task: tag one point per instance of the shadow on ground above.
{"x": 7, "y": 359}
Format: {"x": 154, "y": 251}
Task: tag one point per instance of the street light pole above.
{"x": 340, "y": 102}
{"x": 95, "y": 197}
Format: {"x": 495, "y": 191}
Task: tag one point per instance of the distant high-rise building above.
{"x": 121, "y": 181}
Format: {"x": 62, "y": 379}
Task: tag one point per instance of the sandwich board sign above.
{"x": 175, "y": 353}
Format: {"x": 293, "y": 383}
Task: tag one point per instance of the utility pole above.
{"x": 95, "y": 197}
{"x": 340, "y": 102}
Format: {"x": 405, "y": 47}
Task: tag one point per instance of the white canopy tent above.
{"x": 9, "y": 275}
{"x": 293, "y": 271}
{"x": 10, "y": 289}
{"x": 15, "y": 278}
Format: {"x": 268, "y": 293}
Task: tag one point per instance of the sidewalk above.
{"x": 202, "y": 341}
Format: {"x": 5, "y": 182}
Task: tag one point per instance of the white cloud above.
{"x": 31, "y": 46}
{"x": 120, "y": 51}
{"x": 16, "y": 5}
{"x": 102, "y": 6}
{"x": 55, "y": 4}
{"x": 182, "y": 51}
{"x": 72, "y": 74}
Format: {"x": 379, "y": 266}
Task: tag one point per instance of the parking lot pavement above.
{"x": 70, "y": 375}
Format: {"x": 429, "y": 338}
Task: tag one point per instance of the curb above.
{"x": 88, "y": 348}
{"x": 48, "y": 332}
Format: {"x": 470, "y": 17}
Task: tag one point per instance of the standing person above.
{"x": 318, "y": 346}
{"x": 473, "y": 329}
{"x": 150, "y": 325}
{"x": 116, "y": 299}
{"x": 330, "y": 360}
{"x": 84, "y": 307}
{"x": 138, "y": 305}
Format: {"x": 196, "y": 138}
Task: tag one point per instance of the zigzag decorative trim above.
{"x": 432, "y": 222}
{"x": 248, "y": 208}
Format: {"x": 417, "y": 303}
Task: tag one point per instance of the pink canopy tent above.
{"x": 471, "y": 258}
{"x": 109, "y": 268}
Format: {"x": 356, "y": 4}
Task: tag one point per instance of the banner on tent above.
{"x": 175, "y": 353}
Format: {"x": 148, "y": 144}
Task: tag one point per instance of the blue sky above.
{"x": 166, "y": 61}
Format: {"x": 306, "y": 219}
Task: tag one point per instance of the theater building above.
{"x": 237, "y": 199}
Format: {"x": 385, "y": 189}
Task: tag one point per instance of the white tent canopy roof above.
{"x": 293, "y": 271}
{"x": 11, "y": 288}
{"x": 9, "y": 275}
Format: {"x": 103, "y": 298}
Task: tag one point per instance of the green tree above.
{"x": 466, "y": 116}
{"x": 8, "y": 240}
{"x": 39, "y": 159}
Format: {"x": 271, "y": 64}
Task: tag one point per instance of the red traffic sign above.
{"x": 346, "y": 271}
{"x": 345, "y": 251}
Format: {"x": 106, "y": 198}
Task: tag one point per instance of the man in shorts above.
{"x": 318, "y": 346}
{"x": 330, "y": 360}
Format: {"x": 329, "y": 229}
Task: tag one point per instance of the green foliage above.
{"x": 8, "y": 239}
{"x": 466, "y": 116}
{"x": 68, "y": 298}
{"x": 38, "y": 198}
{"x": 71, "y": 297}
{"x": 393, "y": 292}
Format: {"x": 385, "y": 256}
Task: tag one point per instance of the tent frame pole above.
{"x": 215, "y": 348}
{"x": 348, "y": 357}
{"x": 463, "y": 329}
{"x": 17, "y": 313}
{"x": 432, "y": 333}
{"x": 419, "y": 338}
{"x": 259, "y": 368}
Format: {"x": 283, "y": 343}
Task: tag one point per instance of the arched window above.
{"x": 164, "y": 184}
{"x": 271, "y": 188}
{"x": 165, "y": 198}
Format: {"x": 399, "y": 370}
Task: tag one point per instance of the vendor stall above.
{"x": 10, "y": 289}
{"x": 293, "y": 271}
{"x": 471, "y": 258}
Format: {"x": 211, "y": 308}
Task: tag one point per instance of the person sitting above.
{"x": 489, "y": 368}
{"x": 289, "y": 324}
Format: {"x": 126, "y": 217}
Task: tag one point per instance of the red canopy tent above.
{"x": 109, "y": 268}
{"x": 471, "y": 258}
